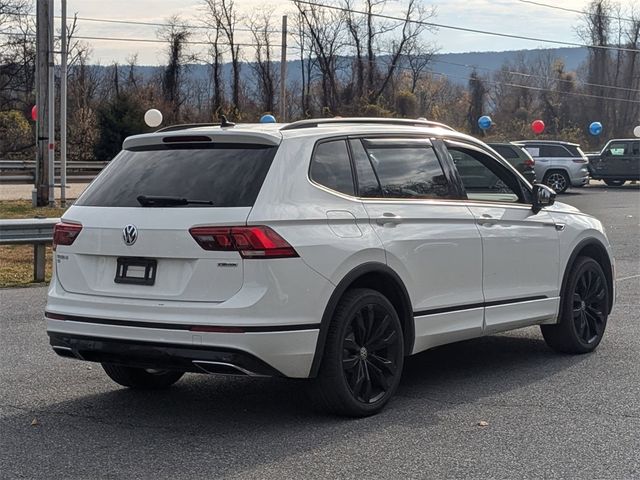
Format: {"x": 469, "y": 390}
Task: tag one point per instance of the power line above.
{"x": 528, "y": 87}
{"x": 148, "y": 24}
{"x": 143, "y": 40}
{"x": 572, "y": 10}
{"x": 464, "y": 29}
{"x": 522, "y": 74}
{"x": 531, "y": 75}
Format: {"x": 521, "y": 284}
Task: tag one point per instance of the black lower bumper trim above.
{"x": 167, "y": 356}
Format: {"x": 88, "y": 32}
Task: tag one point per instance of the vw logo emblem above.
{"x": 130, "y": 234}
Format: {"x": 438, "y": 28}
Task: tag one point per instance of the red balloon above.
{"x": 34, "y": 113}
{"x": 537, "y": 126}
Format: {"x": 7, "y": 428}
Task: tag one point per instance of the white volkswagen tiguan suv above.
{"x": 321, "y": 249}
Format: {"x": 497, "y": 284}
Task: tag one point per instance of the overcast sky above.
{"x": 505, "y": 16}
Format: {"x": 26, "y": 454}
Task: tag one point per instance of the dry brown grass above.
{"x": 16, "y": 265}
{"x": 23, "y": 209}
{"x": 16, "y": 261}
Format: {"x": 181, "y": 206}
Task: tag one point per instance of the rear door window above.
{"x": 368, "y": 184}
{"x": 407, "y": 168}
{"x": 227, "y": 175}
{"x": 554, "y": 151}
{"x": 331, "y": 167}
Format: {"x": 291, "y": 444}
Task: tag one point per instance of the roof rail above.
{"x": 185, "y": 126}
{"x": 311, "y": 123}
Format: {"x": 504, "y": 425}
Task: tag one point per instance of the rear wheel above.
{"x": 583, "y": 310}
{"x": 143, "y": 378}
{"x": 614, "y": 183}
{"x": 363, "y": 358}
{"x": 557, "y": 180}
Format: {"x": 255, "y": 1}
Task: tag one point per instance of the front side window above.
{"x": 483, "y": 178}
{"x": 331, "y": 167}
{"x": 618, "y": 149}
{"x": 407, "y": 168}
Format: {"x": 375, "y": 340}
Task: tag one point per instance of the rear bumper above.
{"x": 285, "y": 353}
{"x": 160, "y": 355}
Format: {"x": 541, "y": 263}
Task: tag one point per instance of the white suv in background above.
{"x": 321, "y": 249}
{"x": 559, "y": 165}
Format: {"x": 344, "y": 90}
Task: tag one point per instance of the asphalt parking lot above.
{"x": 548, "y": 415}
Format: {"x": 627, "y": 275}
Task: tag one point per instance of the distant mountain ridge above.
{"x": 456, "y": 66}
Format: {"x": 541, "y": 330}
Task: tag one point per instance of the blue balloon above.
{"x": 484, "y": 122}
{"x": 595, "y": 128}
{"x": 267, "y": 119}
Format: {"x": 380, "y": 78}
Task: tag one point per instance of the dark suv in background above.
{"x": 559, "y": 165}
{"x": 518, "y": 157}
{"x": 618, "y": 162}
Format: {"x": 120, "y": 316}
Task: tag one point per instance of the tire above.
{"x": 363, "y": 356}
{"x": 558, "y": 180}
{"x": 614, "y": 183}
{"x": 583, "y": 310}
{"x": 141, "y": 378}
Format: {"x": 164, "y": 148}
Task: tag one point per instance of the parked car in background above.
{"x": 559, "y": 165}
{"x": 618, "y": 162}
{"x": 518, "y": 157}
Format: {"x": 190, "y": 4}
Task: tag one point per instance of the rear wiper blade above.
{"x": 159, "y": 201}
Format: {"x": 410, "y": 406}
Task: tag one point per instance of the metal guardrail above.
{"x": 24, "y": 171}
{"x": 30, "y": 231}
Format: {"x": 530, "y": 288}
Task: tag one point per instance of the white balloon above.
{"x": 636, "y": 131}
{"x": 153, "y": 118}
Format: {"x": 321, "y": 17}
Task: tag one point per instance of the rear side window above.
{"x": 331, "y": 167}
{"x": 227, "y": 175}
{"x": 407, "y": 169}
{"x": 506, "y": 152}
{"x": 554, "y": 151}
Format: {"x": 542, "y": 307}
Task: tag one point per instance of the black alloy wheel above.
{"x": 371, "y": 347}
{"x": 363, "y": 356}
{"x": 584, "y": 310}
{"x": 589, "y": 305}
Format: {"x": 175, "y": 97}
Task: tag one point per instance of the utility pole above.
{"x": 51, "y": 97}
{"x": 63, "y": 104}
{"x": 43, "y": 9}
{"x": 283, "y": 71}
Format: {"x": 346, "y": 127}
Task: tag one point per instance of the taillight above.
{"x": 529, "y": 162}
{"x": 65, "y": 233}
{"x": 250, "y": 242}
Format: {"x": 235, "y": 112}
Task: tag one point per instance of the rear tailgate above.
{"x": 127, "y": 248}
{"x": 183, "y": 270}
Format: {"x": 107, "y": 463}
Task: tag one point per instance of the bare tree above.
{"x": 223, "y": 15}
{"x": 261, "y": 26}
{"x": 176, "y": 34}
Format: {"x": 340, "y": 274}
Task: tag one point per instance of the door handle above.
{"x": 388, "y": 219}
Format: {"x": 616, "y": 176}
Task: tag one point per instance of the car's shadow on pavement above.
{"x": 225, "y": 425}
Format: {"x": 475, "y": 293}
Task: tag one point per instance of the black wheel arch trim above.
{"x": 608, "y": 273}
{"x": 347, "y": 281}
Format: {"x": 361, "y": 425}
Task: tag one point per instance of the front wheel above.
{"x": 363, "y": 358}
{"x": 614, "y": 183}
{"x": 143, "y": 378}
{"x": 584, "y": 310}
{"x": 557, "y": 180}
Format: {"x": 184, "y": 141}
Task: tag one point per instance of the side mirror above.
{"x": 543, "y": 196}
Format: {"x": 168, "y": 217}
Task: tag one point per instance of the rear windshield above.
{"x": 227, "y": 175}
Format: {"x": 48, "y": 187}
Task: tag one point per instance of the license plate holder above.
{"x": 136, "y": 270}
